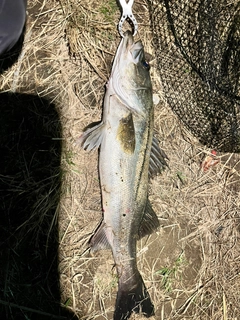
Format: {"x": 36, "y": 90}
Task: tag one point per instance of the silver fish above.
{"x": 12, "y": 20}
{"x": 128, "y": 154}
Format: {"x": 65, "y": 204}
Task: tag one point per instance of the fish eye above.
{"x": 145, "y": 64}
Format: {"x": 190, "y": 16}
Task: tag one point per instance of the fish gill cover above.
{"x": 197, "y": 45}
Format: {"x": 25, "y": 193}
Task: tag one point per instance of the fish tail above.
{"x": 133, "y": 297}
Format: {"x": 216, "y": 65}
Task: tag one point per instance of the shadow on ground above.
{"x": 30, "y": 148}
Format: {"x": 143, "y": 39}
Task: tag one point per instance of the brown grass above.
{"x": 191, "y": 265}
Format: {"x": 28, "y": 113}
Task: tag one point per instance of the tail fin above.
{"x": 133, "y": 299}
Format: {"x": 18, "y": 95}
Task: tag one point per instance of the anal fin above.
{"x": 99, "y": 240}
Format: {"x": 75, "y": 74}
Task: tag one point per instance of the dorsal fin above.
{"x": 149, "y": 222}
{"x": 157, "y": 161}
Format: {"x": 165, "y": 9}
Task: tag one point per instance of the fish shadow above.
{"x": 30, "y": 183}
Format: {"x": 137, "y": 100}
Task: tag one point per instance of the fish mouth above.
{"x": 128, "y": 45}
{"x": 127, "y": 40}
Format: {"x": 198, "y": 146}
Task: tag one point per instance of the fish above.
{"x": 128, "y": 156}
{"x": 12, "y": 21}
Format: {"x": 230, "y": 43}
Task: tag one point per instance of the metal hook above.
{"x": 127, "y": 13}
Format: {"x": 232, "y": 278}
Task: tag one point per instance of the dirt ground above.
{"x": 51, "y": 201}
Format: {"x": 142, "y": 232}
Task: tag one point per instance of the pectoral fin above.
{"x": 149, "y": 222}
{"x": 157, "y": 161}
{"x": 92, "y": 136}
{"x": 126, "y": 134}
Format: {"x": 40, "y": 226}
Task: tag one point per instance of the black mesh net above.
{"x": 197, "y": 45}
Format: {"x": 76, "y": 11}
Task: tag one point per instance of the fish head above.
{"x": 130, "y": 75}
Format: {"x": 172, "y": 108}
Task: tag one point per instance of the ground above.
{"x": 51, "y": 202}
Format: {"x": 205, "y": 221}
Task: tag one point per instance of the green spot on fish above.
{"x": 126, "y": 134}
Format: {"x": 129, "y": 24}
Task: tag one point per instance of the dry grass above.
{"x": 191, "y": 265}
